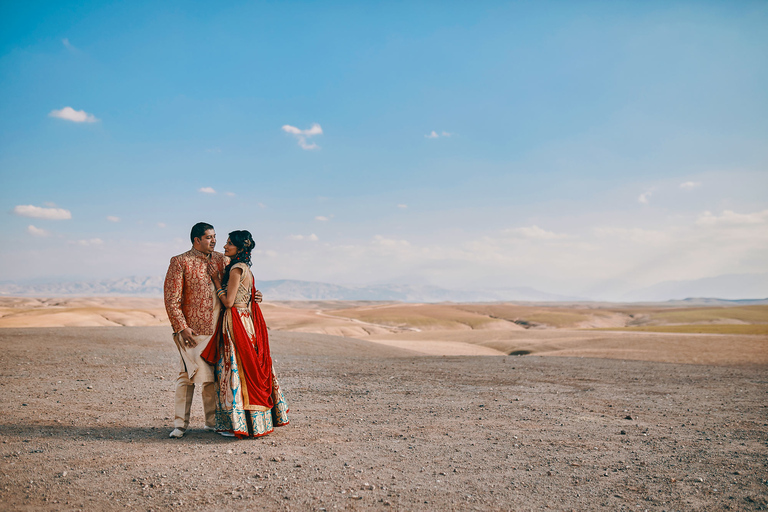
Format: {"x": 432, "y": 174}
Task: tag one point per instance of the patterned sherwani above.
{"x": 190, "y": 301}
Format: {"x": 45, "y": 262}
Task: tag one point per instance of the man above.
{"x": 193, "y": 310}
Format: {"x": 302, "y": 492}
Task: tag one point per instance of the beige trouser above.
{"x": 202, "y": 373}
{"x": 185, "y": 390}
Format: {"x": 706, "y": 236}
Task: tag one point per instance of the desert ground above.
{"x": 395, "y": 407}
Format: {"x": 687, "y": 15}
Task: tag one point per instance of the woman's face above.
{"x": 230, "y": 249}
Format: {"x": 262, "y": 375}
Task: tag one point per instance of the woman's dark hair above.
{"x": 244, "y": 243}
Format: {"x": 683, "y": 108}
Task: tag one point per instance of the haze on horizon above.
{"x": 565, "y": 146}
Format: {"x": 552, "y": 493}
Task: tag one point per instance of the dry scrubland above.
{"x": 620, "y": 421}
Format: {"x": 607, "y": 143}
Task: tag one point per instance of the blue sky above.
{"x": 569, "y": 146}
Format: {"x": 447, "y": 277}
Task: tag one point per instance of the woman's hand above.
{"x": 214, "y": 273}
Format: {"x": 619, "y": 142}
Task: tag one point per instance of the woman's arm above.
{"x": 228, "y": 298}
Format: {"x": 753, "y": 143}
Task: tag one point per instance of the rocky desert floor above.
{"x": 86, "y": 412}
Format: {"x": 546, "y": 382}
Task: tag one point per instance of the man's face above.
{"x": 207, "y": 243}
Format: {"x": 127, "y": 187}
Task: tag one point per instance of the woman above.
{"x": 248, "y": 397}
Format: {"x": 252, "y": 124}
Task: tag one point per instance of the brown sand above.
{"x": 452, "y": 329}
{"x": 86, "y": 413}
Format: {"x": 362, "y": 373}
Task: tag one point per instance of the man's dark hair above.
{"x": 198, "y": 230}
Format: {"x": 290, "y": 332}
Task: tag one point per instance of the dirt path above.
{"x": 86, "y": 415}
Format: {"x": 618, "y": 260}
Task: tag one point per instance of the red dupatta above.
{"x": 255, "y": 358}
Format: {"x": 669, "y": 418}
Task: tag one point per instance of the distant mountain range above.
{"x": 284, "y": 289}
{"x": 721, "y": 289}
{"x": 730, "y": 286}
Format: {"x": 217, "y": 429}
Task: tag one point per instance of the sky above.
{"x": 575, "y": 147}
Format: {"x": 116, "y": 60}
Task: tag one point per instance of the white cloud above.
{"x": 68, "y": 45}
{"x": 446, "y": 134}
{"x": 732, "y": 218}
{"x": 434, "y": 135}
{"x": 689, "y": 185}
{"x": 535, "y": 233}
{"x": 303, "y": 135}
{"x": 213, "y": 150}
{"x": 643, "y": 198}
{"x": 321, "y": 218}
{"x": 231, "y": 194}
{"x": 311, "y": 238}
{"x": 207, "y": 190}
{"x": 403, "y": 206}
{"x": 161, "y": 225}
{"x": 635, "y": 235}
{"x": 37, "y": 212}
{"x": 262, "y": 205}
{"x": 76, "y": 116}
{"x": 390, "y": 242}
{"x": 32, "y": 230}
{"x": 112, "y": 218}
{"x": 91, "y": 242}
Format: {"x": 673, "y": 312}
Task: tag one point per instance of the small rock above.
{"x": 275, "y": 459}
{"x": 23, "y": 405}
{"x": 627, "y": 417}
{"x": 699, "y": 479}
{"x": 230, "y": 452}
{"x": 623, "y": 432}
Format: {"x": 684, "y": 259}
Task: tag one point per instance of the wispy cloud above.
{"x": 303, "y": 135}
{"x": 112, "y": 218}
{"x": 731, "y": 218}
{"x": 434, "y": 135}
{"x": 644, "y": 197}
{"x": 91, "y": 242}
{"x": 535, "y": 233}
{"x": 32, "y": 230}
{"x": 69, "y": 46}
{"x": 689, "y": 185}
{"x": 389, "y": 242}
{"x": 403, "y": 206}
{"x": 231, "y": 194}
{"x": 207, "y": 190}
{"x": 38, "y": 212}
{"x": 161, "y": 225}
{"x": 76, "y": 116}
{"x": 321, "y": 218}
{"x": 311, "y": 238}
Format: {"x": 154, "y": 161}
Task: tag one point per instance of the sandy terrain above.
{"x": 387, "y": 421}
{"x": 464, "y": 329}
{"x": 86, "y": 413}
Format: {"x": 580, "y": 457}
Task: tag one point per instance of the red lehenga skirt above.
{"x": 249, "y": 402}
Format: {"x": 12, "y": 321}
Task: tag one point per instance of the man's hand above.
{"x": 186, "y": 335}
{"x": 257, "y": 297}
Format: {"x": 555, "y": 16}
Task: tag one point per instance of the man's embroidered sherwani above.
{"x": 189, "y": 292}
{"x": 190, "y": 301}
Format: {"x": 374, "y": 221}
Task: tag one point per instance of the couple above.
{"x": 227, "y": 353}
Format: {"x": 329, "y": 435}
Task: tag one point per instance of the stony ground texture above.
{"x": 86, "y": 412}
